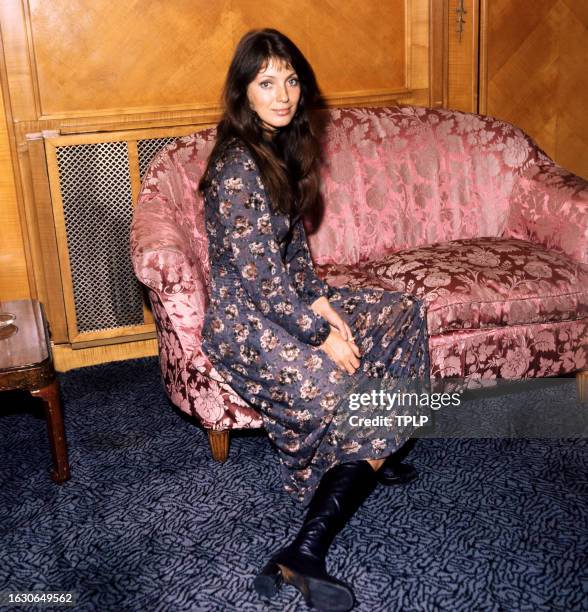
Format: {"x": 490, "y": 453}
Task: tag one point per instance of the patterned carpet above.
{"x": 149, "y": 522}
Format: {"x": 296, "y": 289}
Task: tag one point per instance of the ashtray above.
{"x": 6, "y": 319}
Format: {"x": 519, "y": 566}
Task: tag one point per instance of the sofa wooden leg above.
{"x": 219, "y": 444}
{"x": 582, "y": 382}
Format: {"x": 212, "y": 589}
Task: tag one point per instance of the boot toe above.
{"x": 269, "y": 581}
{"x": 401, "y": 473}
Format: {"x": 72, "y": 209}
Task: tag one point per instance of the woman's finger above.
{"x": 349, "y": 331}
{"x": 355, "y": 349}
{"x": 340, "y": 324}
{"x": 346, "y": 330}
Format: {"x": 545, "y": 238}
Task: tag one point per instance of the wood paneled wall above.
{"x": 176, "y": 54}
{"x": 74, "y": 66}
{"x": 534, "y": 73}
{"x": 80, "y": 64}
{"x": 13, "y": 264}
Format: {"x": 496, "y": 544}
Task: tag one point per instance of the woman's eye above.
{"x": 293, "y": 82}
{"x": 265, "y": 84}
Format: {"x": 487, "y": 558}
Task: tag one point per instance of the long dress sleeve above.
{"x": 300, "y": 268}
{"x": 246, "y": 218}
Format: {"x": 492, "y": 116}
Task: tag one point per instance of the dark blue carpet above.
{"x": 149, "y": 522}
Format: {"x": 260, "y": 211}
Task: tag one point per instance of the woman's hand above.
{"x": 339, "y": 346}
{"x": 343, "y": 352}
{"x": 324, "y": 309}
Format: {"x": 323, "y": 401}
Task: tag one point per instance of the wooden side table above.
{"x": 26, "y": 363}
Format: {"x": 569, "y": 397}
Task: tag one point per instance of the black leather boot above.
{"x": 340, "y": 493}
{"x": 394, "y": 471}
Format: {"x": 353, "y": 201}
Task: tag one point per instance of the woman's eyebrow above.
{"x": 271, "y": 76}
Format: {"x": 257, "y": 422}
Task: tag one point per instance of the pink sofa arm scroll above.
{"x": 161, "y": 252}
{"x": 162, "y": 260}
{"x": 549, "y": 206}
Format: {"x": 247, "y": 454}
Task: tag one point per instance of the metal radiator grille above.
{"x": 147, "y": 149}
{"x": 96, "y": 193}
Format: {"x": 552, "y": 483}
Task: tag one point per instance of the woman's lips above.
{"x": 282, "y": 112}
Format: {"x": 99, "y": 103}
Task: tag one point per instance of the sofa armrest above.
{"x": 160, "y": 252}
{"x": 162, "y": 260}
{"x": 549, "y": 206}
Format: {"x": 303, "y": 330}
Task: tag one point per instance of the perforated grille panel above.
{"x": 96, "y": 193}
{"x": 147, "y": 149}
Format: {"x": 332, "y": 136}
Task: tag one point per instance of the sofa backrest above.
{"x": 402, "y": 177}
{"x": 393, "y": 178}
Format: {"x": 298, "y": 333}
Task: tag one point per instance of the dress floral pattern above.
{"x": 262, "y": 336}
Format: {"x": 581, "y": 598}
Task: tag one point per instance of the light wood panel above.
{"x": 14, "y": 283}
{"x": 359, "y": 43}
{"x": 18, "y": 71}
{"x": 45, "y": 275}
{"x": 571, "y": 140}
{"x": 535, "y": 57}
{"x": 134, "y": 66}
{"x": 66, "y": 358}
{"x": 418, "y": 64}
{"x": 438, "y": 45}
{"x": 174, "y": 55}
{"x": 462, "y": 56}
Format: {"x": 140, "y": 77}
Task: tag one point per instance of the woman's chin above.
{"x": 277, "y": 123}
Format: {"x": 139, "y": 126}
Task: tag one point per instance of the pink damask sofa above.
{"x": 462, "y": 210}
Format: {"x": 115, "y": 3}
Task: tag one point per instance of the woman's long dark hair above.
{"x": 288, "y": 162}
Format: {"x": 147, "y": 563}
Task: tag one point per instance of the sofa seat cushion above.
{"x": 478, "y": 283}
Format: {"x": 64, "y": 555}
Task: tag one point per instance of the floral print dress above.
{"x": 262, "y": 336}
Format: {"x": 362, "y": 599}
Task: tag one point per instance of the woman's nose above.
{"x": 283, "y": 95}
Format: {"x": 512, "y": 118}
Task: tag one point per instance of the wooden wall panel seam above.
{"x": 16, "y": 178}
{"x": 48, "y": 273}
{"x": 483, "y": 59}
{"x": 19, "y": 77}
{"x": 408, "y": 45}
{"x": 60, "y": 232}
{"x": 437, "y": 53}
{"x": 32, "y": 58}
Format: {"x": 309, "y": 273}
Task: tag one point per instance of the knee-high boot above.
{"x": 340, "y": 493}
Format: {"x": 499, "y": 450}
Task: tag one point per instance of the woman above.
{"x": 292, "y": 346}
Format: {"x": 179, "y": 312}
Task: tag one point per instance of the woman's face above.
{"x": 274, "y": 94}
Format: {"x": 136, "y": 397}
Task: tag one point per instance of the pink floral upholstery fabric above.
{"x": 478, "y": 283}
{"x": 462, "y": 210}
{"x": 513, "y": 352}
{"x": 549, "y": 205}
{"x": 495, "y": 308}
{"x": 397, "y": 178}
{"x": 193, "y": 384}
{"x": 169, "y": 245}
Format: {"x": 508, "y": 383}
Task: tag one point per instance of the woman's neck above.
{"x": 268, "y": 133}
